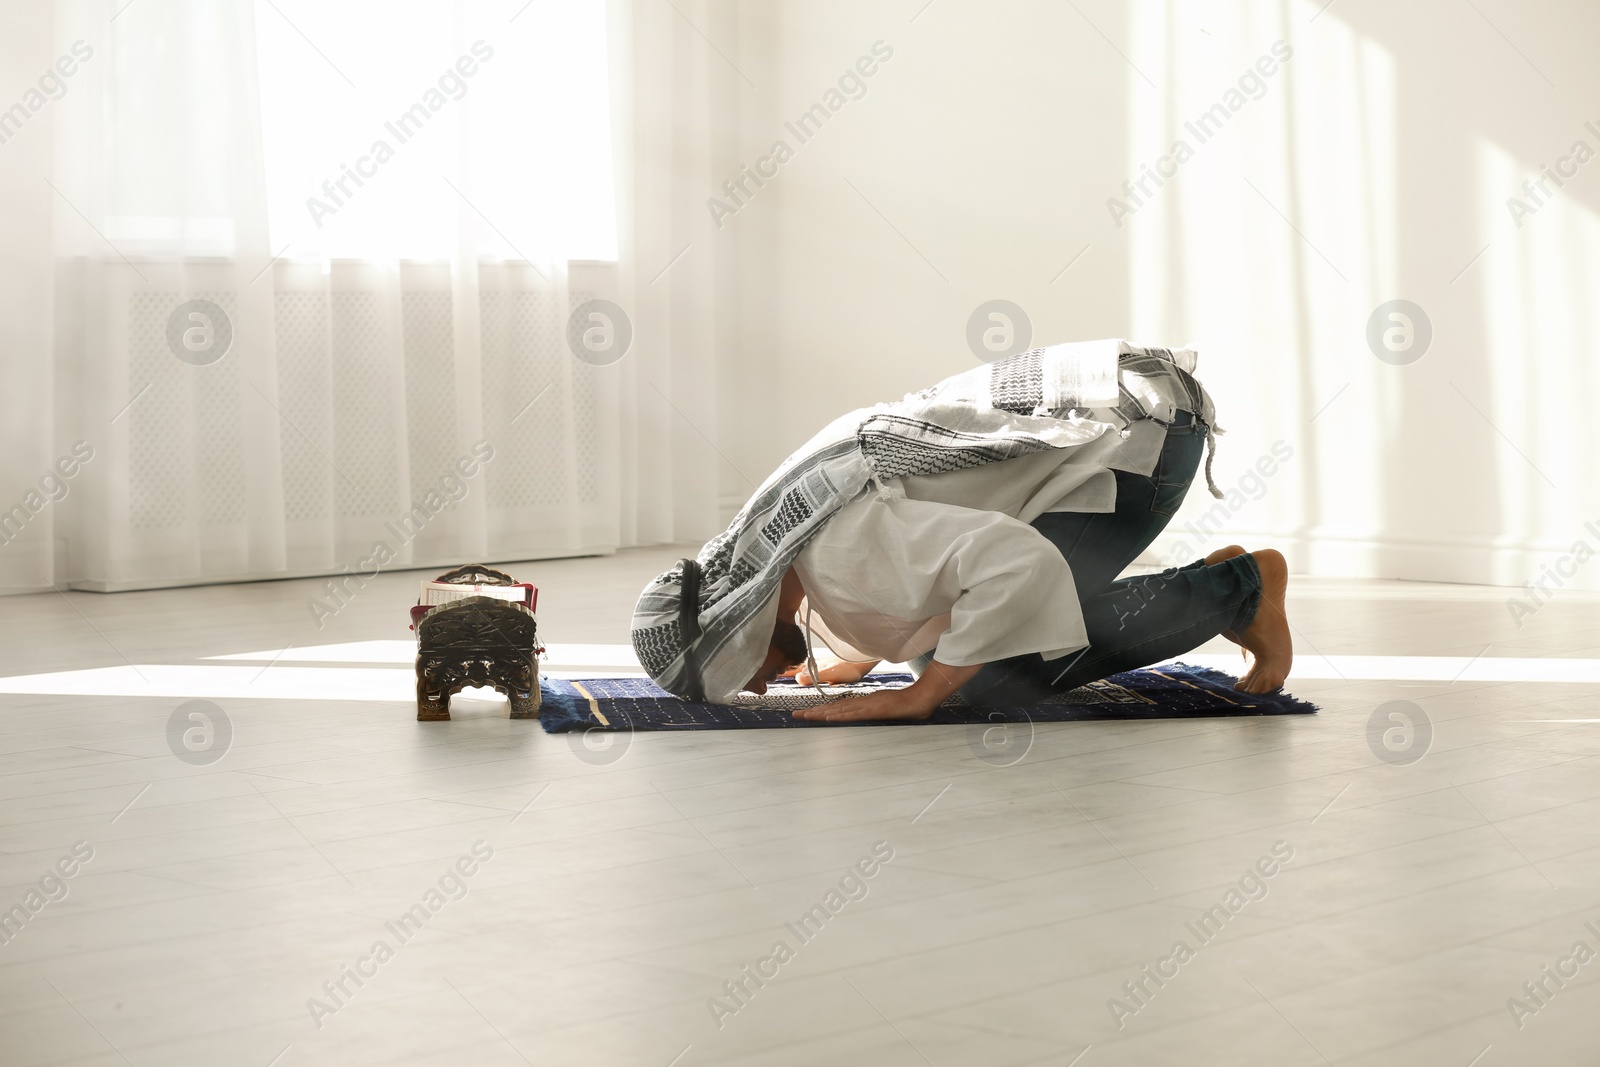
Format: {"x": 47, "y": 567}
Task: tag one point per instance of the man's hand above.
{"x": 915, "y": 701}
{"x": 844, "y": 673}
{"x": 884, "y": 705}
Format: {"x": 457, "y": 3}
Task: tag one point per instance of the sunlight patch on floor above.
{"x": 280, "y": 680}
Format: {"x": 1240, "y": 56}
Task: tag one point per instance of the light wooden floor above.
{"x": 627, "y": 886}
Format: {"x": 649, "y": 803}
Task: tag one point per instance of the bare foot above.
{"x": 1222, "y": 555}
{"x": 1267, "y": 639}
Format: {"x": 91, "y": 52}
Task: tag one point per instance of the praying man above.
{"x": 976, "y": 531}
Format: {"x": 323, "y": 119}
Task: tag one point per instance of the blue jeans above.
{"x": 1131, "y": 622}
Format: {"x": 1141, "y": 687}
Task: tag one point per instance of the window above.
{"x": 397, "y": 127}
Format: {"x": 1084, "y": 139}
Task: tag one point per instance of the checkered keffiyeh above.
{"x": 1063, "y": 396}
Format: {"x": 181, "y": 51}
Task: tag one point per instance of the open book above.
{"x": 436, "y": 593}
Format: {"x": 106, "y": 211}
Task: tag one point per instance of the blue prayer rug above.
{"x": 1171, "y": 691}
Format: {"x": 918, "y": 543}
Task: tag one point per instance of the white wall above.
{"x": 1376, "y": 164}
{"x": 974, "y": 143}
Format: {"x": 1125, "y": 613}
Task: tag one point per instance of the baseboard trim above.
{"x": 95, "y": 585}
{"x": 1460, "y": 562}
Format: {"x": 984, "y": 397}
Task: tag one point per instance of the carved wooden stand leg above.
{"x": 433, "y": 701}
{"x": 523, "y": 690}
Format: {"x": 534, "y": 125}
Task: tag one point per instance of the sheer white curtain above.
{"x": 314, "y": 267}
{"x": 30, "y": 492}
{"x": 675, "y": 107}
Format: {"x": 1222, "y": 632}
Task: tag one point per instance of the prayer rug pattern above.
{"x": 1171, "y": 691}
